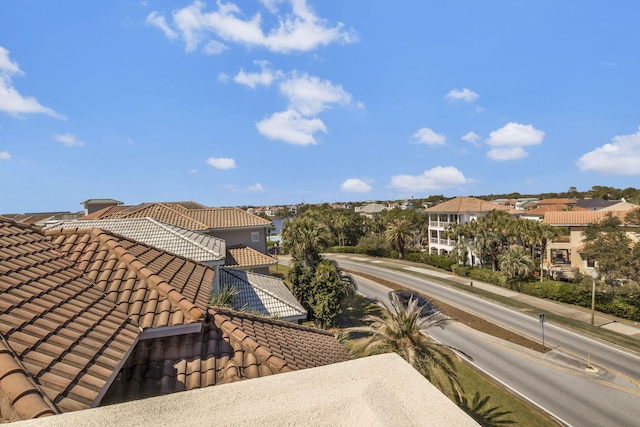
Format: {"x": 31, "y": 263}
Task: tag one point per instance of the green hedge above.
{"x": 614, "y": 303}
{"x": 439, "y": 261}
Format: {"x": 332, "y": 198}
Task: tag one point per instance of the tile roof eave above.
{"x": 25, "y": 396}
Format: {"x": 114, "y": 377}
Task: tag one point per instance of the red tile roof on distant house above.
{"x": 557, "y": 201}
{"x": 109, "y": 210}
{"x": 193, "y": 218}
{"x": 466, "y": 204}
{"x": 541, "y": 210}
{"x": 585, "y": 217}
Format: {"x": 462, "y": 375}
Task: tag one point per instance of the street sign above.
{"x": 541, "y": 316}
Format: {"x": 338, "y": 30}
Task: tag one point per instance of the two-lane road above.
{"x": 556, "y": 381}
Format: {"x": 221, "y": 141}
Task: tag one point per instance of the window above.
{"x": 255, "y": 236}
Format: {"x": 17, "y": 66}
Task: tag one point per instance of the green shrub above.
{"x": 488, "y": 276}
{"x": 439, "y": 261}
{"x": 461, "y": 270}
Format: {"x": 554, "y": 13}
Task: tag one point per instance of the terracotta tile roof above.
{"x": 566, "y": 218}
{"x": 541, "y": 210}
{"x": 25, "y": 399}
{"x": 241, "y": 256}
{"x": 34, "y": 219}
{"x": 67, "y": 335}
{"x": 72, "y": 305}
{"x": 233, "y": 346}
{"x": 197, "y": 219}
{"x": 189, "y": 244}
{"x": 105, "y": 212}
{"x": 466, "y": 204}
{"x": 558, "y": 201}
{"x": 154, "y": 287}
{"x": 262, "y": 294}
{"x": 280, "y": 345}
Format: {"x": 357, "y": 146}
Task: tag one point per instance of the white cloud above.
{"x": 10, "y": 100}
{"x": 465, "y": 94}
{"x": 7, "y": 66}
{"x": 507, "y": 153}
{"x": 69, "y": 140}
{"x": 192, "y": 171}
{"x": 438, "y": 178}
{"x": 214, "y": 47}
{"x": 507, "y": 142}
{"x": 155, "y": 19}
{"x": 290, "y": 126}
{"x": 429, "y": 137}
{"x": 297, "y": 30}
{"x": 355, "y": 185}
{"x": 236, "y": 189}
{"x": 472, "y": 138}
{"x": 223, "y": 77}
{"x": 4, "y": 155}
{"x": 255, "y": 187}
{"x": 265, "y": 77}
{"x": 224, "y": 163}
{"x": 309, "y": 95}
{"x": 620, "y": 157}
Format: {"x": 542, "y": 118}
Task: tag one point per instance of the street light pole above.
{"x": 594, "y": 276}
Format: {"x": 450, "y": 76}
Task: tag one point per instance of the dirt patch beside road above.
{"x": 468, "y": 319}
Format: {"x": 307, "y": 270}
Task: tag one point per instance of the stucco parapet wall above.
{"x": 380, "y": 390}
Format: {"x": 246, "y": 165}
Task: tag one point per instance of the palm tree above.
{"x": 305, "y": 238}
{"x": 398, "y": 232}
{"x": 516, "y": 264}
{"x": 401, "y": 329}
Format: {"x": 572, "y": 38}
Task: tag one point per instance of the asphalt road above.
{"x": 557, "y": 381}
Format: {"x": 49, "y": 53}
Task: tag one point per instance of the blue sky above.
{"x": 279, "y": 102}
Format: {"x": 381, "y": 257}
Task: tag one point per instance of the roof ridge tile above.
{"x": 164, "y": 288}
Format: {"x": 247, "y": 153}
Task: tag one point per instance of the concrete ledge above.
{"x": 379, "y": 390}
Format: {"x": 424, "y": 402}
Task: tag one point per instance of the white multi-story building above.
{"x": 459, "y": 210}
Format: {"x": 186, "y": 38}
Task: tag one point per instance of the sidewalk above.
{"x": 605, "y": 321}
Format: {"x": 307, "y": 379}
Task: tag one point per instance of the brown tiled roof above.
{"x": 584, "y": 217}
{"x": 156, "y": 288}
{"x": 34, "y": 219}
{"x": 109, "y": 210}
{"x": 25, "y": 399}
{"x": 241, "y": 256}
{"x": 558, "y": 201}
{"x": 541, "y": 210}
{"x": 193, "y": 218}
{"x": 58, "y": 323}
{"x": 72, "y": 305}
{"x": 466, "y": 204}
{"x": 233, "y": 346}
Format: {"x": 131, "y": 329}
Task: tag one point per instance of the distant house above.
{"x": 245, "y": 234}
{"x": 597, "y": 204}
{"x": 90, "y": 317}
{"x": 371, "y": 210}
{"x": 566, "y": 253}
{"x": 459, "y": 210}
{"x": 538, "y": 213}
{"x": 211, "y": 251}
{"x": 92, "y": 205}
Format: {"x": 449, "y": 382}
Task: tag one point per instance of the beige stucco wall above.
{"x": 374, "y": 391}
